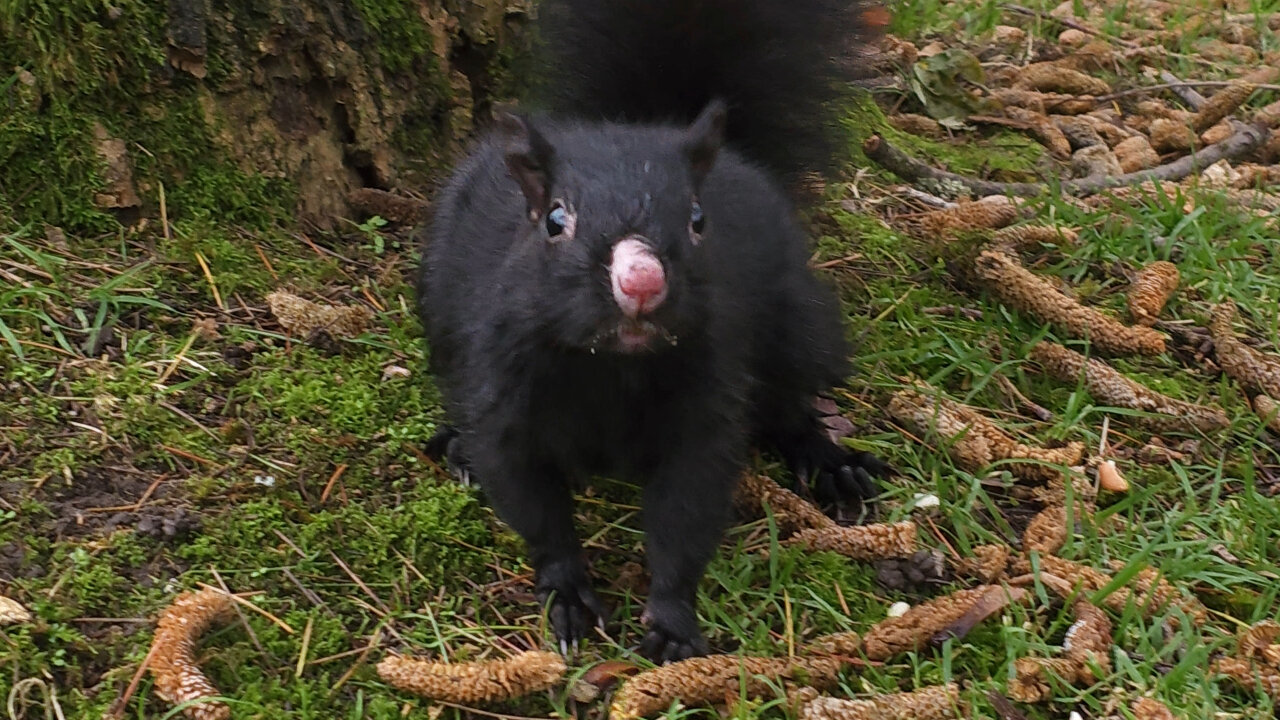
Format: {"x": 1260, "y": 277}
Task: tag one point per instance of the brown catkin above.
{"x": 1171, "y": 136}
{"x": 1044, "y": 129}
{"x": 987, "y": 564}
{"x": 1135, "y": 153}
{"x": 1042, "y": 102}
{"x": 1016, "y": 286}
{"x": 1261, "y": 643}
{"x": 979, "y": 215}
{"x": 1250, "y": 676}
{"x": 178, "y": 679}
{"x": 861, "y": 542}
{"x": 975, "y": 442}
{"x": 1088, "y": 640}
{"x": 1031, "y": 681}
{"x": 1017, "y": 237}
{"x": 790, "y": 511}
{"x": 1258, "y": 372}
{"x": 1269, "y": 411}
{"x": 474, "y": 683}
{"x": 1051, "y": 77}
{"x": 1223, "y": 103}
{"x": 932, "y": 703}
{"x": 1152, "y": 287}
{"x": 1047, "y": 532}
{"x": 1107, "y": 385}
{"x": 710, "y": 679}
{"x": 302, "y": 317}
{"x": 1151, "y": 709}
{"x": 917, "y": 627}
{"x": 1148, "y": 591}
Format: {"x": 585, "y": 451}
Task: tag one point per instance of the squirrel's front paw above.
{"x": 673, "y": 632}
{"x": 573, "y": 608}
{"x": 447, "y": 444}
{"x": 834, "y": 475}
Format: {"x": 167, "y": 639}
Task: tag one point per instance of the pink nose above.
{"x": 639, "y": 282}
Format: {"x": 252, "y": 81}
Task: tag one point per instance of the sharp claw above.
{"x": 564, "y": 647}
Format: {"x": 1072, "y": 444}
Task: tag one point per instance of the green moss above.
{"x": 403, "y": 37}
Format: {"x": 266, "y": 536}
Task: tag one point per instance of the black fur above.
{"x": 540, "y": 397}
{"x": 780, "y": 64}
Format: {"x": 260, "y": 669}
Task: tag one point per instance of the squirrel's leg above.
{"x": 686, "y": 507}
{"x": 830, "y": 471}
{"x": 538, "y": 505}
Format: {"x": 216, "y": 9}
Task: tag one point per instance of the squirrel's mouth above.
{"x": 633, "y": 335}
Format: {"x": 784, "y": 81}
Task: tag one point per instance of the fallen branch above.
{"x": 1246, "y": 138}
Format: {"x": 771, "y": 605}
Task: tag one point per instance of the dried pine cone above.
{"x": 790, "y": 511}
{"x": 1257, "y": 371}
{"x": 474, "y": 683}
{"x": 1044, "y": 130}
{"x": 986, "y": 565}
{"x": 1107, "y": 385}
{"x": 1223, "y": 103}
{"x": 1262, "y": 643}
{"x": 11, "y": 611}
{"x": 1019, "y": 287}
{"x": 861, "y": 542}
{"x": 1088, "y": 640}
{"x": 710, "y": 679}
{"x": 1269, "y": 411}
{"x": 974, "y": 441}
{"x": 1050, "y": 77}
{"x": 178, "y": 679}
{"x": 914, "y": 630}
{"x": 1249, "y": 676}
{"x": 1152, "y": 287}
{"x": 932, "y": 703}
{"x": 1151, "y": 709}
{"x": 303, "y": 317}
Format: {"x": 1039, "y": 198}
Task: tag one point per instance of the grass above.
{"x": 294, "y": 469}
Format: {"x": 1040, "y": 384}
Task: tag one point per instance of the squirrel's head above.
{"x": 613, "y": 228}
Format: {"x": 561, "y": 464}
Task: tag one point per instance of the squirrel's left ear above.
{"x": 529, "y": 157}
{"x": 703, "y": 138}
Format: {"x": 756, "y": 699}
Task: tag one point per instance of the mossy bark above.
{"x": 248, "y": 111}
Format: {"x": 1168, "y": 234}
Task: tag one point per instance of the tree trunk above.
{"x": 245, "y": 111}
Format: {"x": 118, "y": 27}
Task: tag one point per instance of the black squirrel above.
{"x": 608, "y": 291}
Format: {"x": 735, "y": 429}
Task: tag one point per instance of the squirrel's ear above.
{"x": 703, "y": 139}
{"x": 528, "y": 157}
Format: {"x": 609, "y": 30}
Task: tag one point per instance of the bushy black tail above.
{"x": 779, "y": 64}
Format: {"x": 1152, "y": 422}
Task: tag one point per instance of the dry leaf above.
{"x": 923, "y": 622}
{"x": 12, "y": 612}
{"x": 474, "y": 683}
{"x": 1107, "y": 385}
{"x": 178, "y": 679}
{"x": 1022, "y": 289}
{"x": 931, "y": 703}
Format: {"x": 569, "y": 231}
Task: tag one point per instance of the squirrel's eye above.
{"x": 557, "y": 219}
{"x": 696, "y": 220}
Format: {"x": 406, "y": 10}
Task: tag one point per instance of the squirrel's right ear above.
{"x": 703, "y": 138}
{"x": 528, "y": 156}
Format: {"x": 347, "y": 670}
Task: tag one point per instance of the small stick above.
{"x": 328, "y": 487}
{"x": 1246, "y": 137}
{"x": 306, "y": 644}
{"x": 204, "y": 266}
